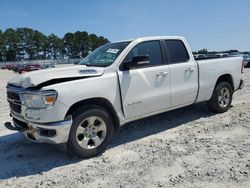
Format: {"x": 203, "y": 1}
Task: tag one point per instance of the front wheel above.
{"x": 222, "y": 98}
{"x": 91, "y": 131}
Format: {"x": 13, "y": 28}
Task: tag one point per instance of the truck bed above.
{"x": 211, "y": 69}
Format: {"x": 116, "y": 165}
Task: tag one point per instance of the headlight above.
{"x": 39, "y": 100}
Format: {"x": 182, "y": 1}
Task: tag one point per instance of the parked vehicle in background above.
{"x": 29, "y": 68}
{"x": 11, "y": 66}
{"x": 235, "y": 54}
{"x": 3, "y": 67}
{"x": 220, "y": 55}
{"x": 246, "y": 59}
{"x": 18, "y": 67}
{"x": 8, "y": 66}
{"x": 48, "y": 66}
{"x": 199, "y": 56}
{"x": 211, "y": 56}
{"x": 118, "y": 83}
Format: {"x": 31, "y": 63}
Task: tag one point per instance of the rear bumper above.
{"x": 55, "y": 133}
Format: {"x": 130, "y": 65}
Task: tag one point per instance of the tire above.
{"x": 91, "y": 131}
{"x": 222, "y": 98}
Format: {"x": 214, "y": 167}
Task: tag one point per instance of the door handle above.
{"x": 189, "y": 70}
{"x": 161, "y": 74}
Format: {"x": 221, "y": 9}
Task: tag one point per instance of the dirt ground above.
{"x": 190, "y": 147}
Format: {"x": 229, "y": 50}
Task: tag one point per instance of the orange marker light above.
{"x": 50, "y": 99}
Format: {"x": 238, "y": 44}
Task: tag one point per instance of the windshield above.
{"x": 105, "y": 55}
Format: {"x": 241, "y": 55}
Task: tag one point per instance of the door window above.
{"x": 177, "y": 51}
{"x": 152, "y": 49}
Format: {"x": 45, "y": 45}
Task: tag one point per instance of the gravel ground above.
{"x": 190, "y": 147}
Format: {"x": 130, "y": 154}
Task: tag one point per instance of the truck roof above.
{"x": 153, "y": 38}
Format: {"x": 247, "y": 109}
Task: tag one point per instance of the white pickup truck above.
{"x": 119, "y": 82}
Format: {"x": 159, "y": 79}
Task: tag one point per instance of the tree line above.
{"x": 28, "y": 44}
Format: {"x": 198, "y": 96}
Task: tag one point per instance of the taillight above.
{"x": 242, "y": 67}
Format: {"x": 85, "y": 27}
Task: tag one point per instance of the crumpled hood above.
{"x": 35, "y": 78}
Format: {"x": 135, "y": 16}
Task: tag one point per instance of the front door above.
{"x": 146, "y": 89}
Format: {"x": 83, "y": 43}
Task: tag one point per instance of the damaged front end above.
{"x": 34, "y": 121}
{"x": 38, "y": 112}
{"x": 54, "y": 133}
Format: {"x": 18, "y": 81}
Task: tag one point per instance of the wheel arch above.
{"x": 225, "y": 78}
{"x": 102, "y": 102}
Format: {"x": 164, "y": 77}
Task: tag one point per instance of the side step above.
{"x": 9, "y": 126}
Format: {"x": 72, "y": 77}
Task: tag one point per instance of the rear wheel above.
{"x": 91, "y": 131}
{"x": 222, "y": 98}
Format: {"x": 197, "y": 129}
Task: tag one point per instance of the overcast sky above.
{"x": 211, "y": 24}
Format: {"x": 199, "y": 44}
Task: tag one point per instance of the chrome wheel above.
{"x": 91, "y": 132}
{"x": 224, "y": 97}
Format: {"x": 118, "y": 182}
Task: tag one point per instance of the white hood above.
{"x": 35, "y": 78}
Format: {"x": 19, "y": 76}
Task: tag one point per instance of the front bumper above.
{"x": 55, "y": 133}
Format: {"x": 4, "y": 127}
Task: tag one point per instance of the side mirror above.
{"x": 136, "y": 62}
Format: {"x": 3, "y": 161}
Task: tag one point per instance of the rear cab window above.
{"x": 176, "y": 51}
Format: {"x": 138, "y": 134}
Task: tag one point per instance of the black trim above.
{"x": 198, "y": 91}
{"x": 61, "y": 80}
{"x": 11, "y": 127}
{"x": 17, "y": 125}
{"x": 241, "y": 85}
{"x": 164, "y": 53}
{"x": 120, "y": 92}
{"x": 207, "y": 58}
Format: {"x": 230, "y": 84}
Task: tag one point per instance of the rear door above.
{"x": 146, "y": 89}
{"x": 183, "y": 73}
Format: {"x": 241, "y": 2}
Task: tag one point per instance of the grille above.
{"x": 14, "y": 101}
{"x": 12, "y": 95}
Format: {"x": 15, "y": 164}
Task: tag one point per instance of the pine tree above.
{"x": 11, "y": 40}
{"x": 26, "y": 43}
